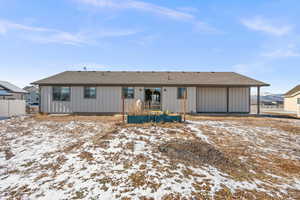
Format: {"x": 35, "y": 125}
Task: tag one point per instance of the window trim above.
{"x": 84, "y": 87}
{"x": 60, "y": 86}
{"x": 178, "y": 97}
{"x": 123, "y": 92}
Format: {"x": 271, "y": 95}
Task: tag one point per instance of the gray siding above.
{"x": 239, "y": 99}
{"x": 202, "y": 99}
{"x": 211, "y": 99}
{"x": 108, "y": 101}
{"x": 172, "y": 104}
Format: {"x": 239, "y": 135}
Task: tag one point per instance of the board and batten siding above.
{"x": 214, "y": 100}
{"x": 239, "y": 100}
{"x": 211, "y": 99}
{"x": 49, "y": 106}
{"x": 108, "y": 101}
{"x": 171, "y": 103}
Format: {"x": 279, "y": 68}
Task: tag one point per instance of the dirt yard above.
{"x": 75, "y": 157}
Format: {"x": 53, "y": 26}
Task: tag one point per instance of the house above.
{"x": 103, "y": 91}
{"x": 12, "y": 101}
{"x": 291, "y": 99}
{"x": 10, "y": 91}
{"x": 33, "y": 96}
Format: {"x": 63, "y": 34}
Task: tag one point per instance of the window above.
{"x": 90, "y": 92}
{"x": 298, "y": 101}
{"x": 128, "y": 92}
{"x": 61, "y": 93}
{"x": 181, "y": 92}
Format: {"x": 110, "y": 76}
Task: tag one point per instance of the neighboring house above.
{"x": 10, "y": 91}
{"x": 291, "y": 99}
{"x": 12, "y": 101}
{"x": 33, "y": 96}
{"x": 101, "y": 91}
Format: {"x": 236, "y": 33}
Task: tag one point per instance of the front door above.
{"x": 153, "y": 98}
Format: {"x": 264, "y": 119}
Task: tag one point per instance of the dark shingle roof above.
{"x": 293, "y": 91}
{"x": 150, "y": 78}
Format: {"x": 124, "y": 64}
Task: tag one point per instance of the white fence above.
{"x": 10, "y": 108}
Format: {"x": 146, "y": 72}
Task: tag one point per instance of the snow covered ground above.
{"x": 78, "y": 159}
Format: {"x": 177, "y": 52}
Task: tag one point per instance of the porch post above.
{"x": 258, "y": 100}
{"x": 123, "y": 108}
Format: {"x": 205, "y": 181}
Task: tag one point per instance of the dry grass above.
{"x": 288, "y": 166}
{"x": 8, "y": 154}
{"x": 86, "y": 155}
{"x": 196, "y": 152}
{"x": 146, "y": 155}
{"x": 67, "y": 118}
{"x": 276, "y": 123}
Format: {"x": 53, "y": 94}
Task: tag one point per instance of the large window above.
{"x": 128, "y": 92}
{"x": 90, "y": 92}
{"x": 61, "y": 93}
{"x": 181, "y": 92}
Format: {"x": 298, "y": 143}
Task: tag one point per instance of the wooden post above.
{"x": 258, "y": 100}
{"x": 184, "y": 104}
{"x": 123, "y": 108}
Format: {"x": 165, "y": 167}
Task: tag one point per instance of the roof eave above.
{"x": 141, "y": 84}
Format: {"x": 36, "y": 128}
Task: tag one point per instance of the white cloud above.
{"x": 6, "y": 26}
{"x": 147, "y": 39}
{"x": 188, "y": 9}
{"x": 46, "y": 35}
{"x": 263, "y": 25}
{"x": 175, "y": 14}
{"x": 242, "y": 68}
{"x": 60, "y": 38}
{"x": 140, "y": 5}
{"x": 281, "y": 53}
{"x": 253, "y": 68}
{"x": 41, "y": 34}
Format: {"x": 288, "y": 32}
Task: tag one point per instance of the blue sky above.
{"x": 258, "y": 38}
